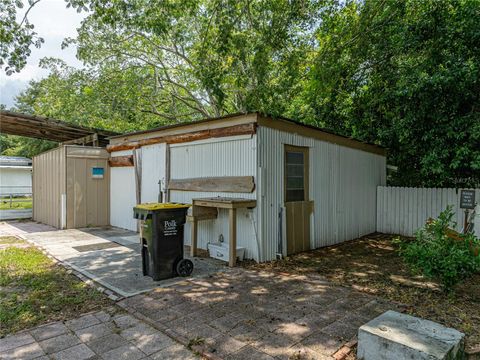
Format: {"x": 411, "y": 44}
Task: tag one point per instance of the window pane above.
{"x": 294, "y": 158}
{"x": 295, "y": 183}
{"x": 294, "y": 170}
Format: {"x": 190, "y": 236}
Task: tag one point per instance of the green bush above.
{"x": 440, "y": 253}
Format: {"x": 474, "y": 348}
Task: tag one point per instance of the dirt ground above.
{"x": 371, "y": 264}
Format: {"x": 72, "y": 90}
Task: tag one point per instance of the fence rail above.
{"x": 12, "y": 194}
{"x": 402, "y": 210}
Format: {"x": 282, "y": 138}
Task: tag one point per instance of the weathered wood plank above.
{"x": 187, "y": 137}
{"x": 233, "y": 184}
{"x": 121, "y": 161}
{"x": 201, "y": 211}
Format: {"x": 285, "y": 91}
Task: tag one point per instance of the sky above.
{"x": 54, "y": 22}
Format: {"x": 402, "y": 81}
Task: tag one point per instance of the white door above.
{"x": 153, "y": 171}
{"x": 122, "y": 197}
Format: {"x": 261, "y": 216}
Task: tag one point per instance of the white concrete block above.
{"x": 393, "y": 335}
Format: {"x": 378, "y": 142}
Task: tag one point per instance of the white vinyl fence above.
{"x": 402, "y": 210}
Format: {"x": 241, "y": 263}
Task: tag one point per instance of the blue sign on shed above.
{"x": 98, "y": 172}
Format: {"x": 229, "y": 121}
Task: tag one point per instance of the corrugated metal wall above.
{"x": 122, "y": 195}
{"x": 48, "y": 186}
{"x": 229, "y": 156}
{"x": 87, "y": 197}
{"x": 343, "y": 184}
{"x": 402, "y": 210}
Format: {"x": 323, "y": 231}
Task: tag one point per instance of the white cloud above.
{"x": 53, "y": 21}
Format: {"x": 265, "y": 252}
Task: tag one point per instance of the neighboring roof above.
{"x": 279, "y": 123}
{"x": 15, "y": 161}
{"x": 40, "y": 127}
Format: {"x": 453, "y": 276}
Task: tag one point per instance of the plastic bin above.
{"x": 162, "y": 239}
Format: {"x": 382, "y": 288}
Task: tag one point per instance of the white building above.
{"x": 312, "y": 188}
{"x": 15, "y": 175}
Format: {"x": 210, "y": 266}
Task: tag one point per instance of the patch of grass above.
{"x": 10, "y": 240}
{"x": 372, "y": 264}
{"x": 195, "y": 342}
{"x": 34, "y": 290}
{"x": 25, "y": 203}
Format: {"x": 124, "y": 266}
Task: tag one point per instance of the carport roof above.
{"x": 45, "y": 128}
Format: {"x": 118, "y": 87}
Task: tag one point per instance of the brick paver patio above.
{"x": 236, "y": 314}
{"x": 93, "y": 336}
{"x": 244, "y": 314}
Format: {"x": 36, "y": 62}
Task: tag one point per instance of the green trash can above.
{"x": 162, "y": 239}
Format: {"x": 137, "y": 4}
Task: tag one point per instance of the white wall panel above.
{"x": 15, "y": 180}
{"x": 402, "y": 210}
{"x": 153, "y": 170}
{"x": 232, "y": 156}
{"x": 343, "y": 184}
{"x": 122, "y": 195}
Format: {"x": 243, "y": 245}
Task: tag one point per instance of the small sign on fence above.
{"x": 467, "y": 199}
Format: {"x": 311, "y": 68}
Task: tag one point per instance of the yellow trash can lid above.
{"x": 160, "y": 206}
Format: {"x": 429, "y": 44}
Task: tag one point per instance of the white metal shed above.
{"x": 312, "y": 188}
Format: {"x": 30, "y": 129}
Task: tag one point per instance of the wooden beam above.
{"x": 225, "y": 203}
{"x": 193, "y": 245}
{"x": 121, "y": 161}
{"x": 204, "y": 211}
{"x": 88, "y": 139}
{"x": 232, "y": 184}
{"x": 244, "y": 129}
{"x": 46, "y": 128}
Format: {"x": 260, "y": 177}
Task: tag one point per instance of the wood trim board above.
{"x": 121, "y": 161}
{"x": 231, "y": 184}
{"x": 243, "y": 129}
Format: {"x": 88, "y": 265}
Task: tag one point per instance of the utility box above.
{"x": 71, "y": 187}
{"x": 162, "y": 239}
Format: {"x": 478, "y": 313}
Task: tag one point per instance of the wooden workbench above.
{"x": 207, "y": 208}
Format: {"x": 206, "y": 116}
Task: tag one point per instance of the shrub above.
{"x": 441, "y": 253}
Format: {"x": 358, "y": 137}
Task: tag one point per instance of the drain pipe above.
{"x": 279, "y": 253}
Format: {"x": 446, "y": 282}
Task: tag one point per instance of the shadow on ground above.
{"x": 94, "y": 253}
{"x": 242, "y": 314}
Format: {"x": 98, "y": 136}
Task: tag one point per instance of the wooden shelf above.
{"x": 206, "y": 208}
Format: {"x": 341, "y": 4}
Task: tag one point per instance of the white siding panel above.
{"x": 232, "y": 156}
{"x": 15, "y": 180}
{"x": 343, "y": 184}
{"x": 153, "y": 170}
{"x": 404, "y": 210}
{"x": 122, "y": 195}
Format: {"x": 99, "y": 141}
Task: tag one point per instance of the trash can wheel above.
{"x": 184, "y": 267}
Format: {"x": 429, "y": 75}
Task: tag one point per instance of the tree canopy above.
{"x": 402, "y": 74}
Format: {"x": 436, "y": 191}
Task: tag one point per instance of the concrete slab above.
{"x": 117, "y": 268}
{"x": 393, "y": 335}
{"x": 21, "y": 228}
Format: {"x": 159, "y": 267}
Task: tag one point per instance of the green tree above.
{"x": 405, "y": 74}
{"x": 16, "y": 37}
{"x": 203, "y": 58}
